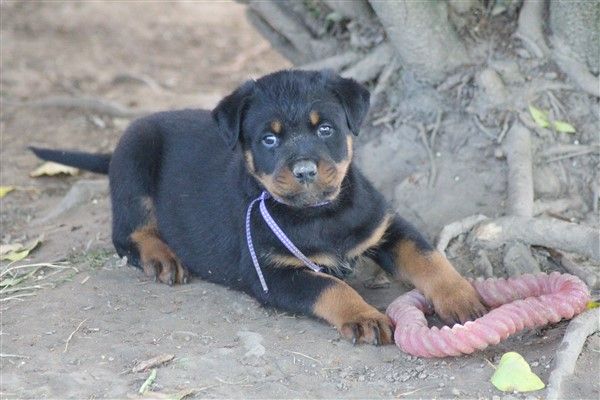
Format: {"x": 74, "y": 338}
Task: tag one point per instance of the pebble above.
{"x": 422, "y": 375}
{"x": 535, "y": 364}
{"x": 455, "y": 392}
{"x": 361, "y": 378}
{"x": 441, "y": 384}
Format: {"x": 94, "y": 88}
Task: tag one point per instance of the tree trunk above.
{"x": 423, "y": 36}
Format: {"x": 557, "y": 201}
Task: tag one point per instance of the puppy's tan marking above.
{"x": 276, "y": 126}
{"x": 373, "y": 240}
{"x": 325, "y": 260}
{"x": 355, "y": 319}
{"x": 453, "y": 298}
{"x": 157, "y": 259}
{"x": 314, "y": 118}
{"x": 249, "y": 161}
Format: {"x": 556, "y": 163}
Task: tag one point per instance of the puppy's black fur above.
{"x": 181, "y": 182}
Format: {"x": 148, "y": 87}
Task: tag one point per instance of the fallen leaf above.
{"x": 17, "y": 251}
{"x": 50, "y": 168}
{"x": 514, "y": 373}
{"x": 592, "y": 304}
{"x": 4, "y": 190}
{"x": 540, "y": 117}
{"x": 564, "y": 127}
{"x": 7, "y": 248}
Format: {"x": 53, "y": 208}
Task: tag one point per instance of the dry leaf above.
{"x": 17, "y": 251}
{"x": 4, "y": 190}
{"x": 153, "y": 362}
{"x": 52, "y": 169}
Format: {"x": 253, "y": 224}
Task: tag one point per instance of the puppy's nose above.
{"x": 305, "y": 171}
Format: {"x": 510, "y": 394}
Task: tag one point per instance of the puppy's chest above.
{"x": 332, "y": 247}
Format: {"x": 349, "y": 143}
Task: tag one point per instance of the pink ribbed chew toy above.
{"x": 517, "y": 303}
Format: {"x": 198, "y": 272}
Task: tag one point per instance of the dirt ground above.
{"x": 82, "y": 329}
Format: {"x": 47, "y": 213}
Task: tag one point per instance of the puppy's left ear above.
{"x": 353, "y": 96}
{"x": 229, "y": 113}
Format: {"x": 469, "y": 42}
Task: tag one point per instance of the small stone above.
{"x": 441, "y": 384}
{"x": 455, "y": 392}
{"x": 499, "y": 153}
{"x": 422, "y": 375}
{"x": 405, "y": 377}
{"x": 451, "y": 378}
{"x": 535, "y": 364}
{"x": 361, "y": 378}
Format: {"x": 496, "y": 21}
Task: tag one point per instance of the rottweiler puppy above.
{"x": 181, "y": 183}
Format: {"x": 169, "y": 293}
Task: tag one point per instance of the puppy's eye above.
{"x": 325, "y": 130}
{"x": 269, "y": 140}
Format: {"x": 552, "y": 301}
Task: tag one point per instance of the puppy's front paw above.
{"x": 457, "y": 302}
{"x": 371, "y": 327}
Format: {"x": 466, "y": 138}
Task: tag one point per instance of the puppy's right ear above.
{"x": 228, "y": 113}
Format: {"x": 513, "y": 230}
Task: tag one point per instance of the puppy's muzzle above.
{"x": 305, "y": 171}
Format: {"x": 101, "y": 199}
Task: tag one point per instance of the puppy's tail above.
{"x": 88, "y": 161}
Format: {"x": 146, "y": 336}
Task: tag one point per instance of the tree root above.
{"x": 520, "y": 171}
{"x": 89, "y": 104}
{"x": 554, "y": 234}
{"x": 556, "y": 206}
{"x": 336, "y": 62}
{"x": 566, "y": 357}
{"x": 288, "y": 30}
{"x": 457, "y": 228}
{"x": 279, "y": 42}
{"x": 530, "y": 29}
{"x": 590, "y": 277}
{"x": 369, "y": 67}
{"x": 574, "y": 69}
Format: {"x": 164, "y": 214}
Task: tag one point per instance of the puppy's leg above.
{"x": 157, "y": 259}
{"x": 133, "y": 172}
{"x": 329, "y": 298}
{"x": 405, "y": 253}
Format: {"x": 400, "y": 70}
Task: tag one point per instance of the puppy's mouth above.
{"x": 306, "y": 199}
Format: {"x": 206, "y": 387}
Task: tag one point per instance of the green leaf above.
{"x": 563, "y": 127}
{"x": 513, "y": 373}
{"x": 540, "y": 117}
{"x": 592, "y": 304}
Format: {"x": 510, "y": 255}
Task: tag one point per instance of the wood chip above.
{"x": 152, "y": 362}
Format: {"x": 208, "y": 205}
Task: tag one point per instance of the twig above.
{"x": 457, "y": 228}
{"x": 3, "y": 355}
{"x": 304, "y": 355}
{"x": 432, "y": 168}
{"x": 436, "y": 128}
{"x": 71, "y": 335}
{"x": 551, "y": 233}
{"x": 16, "y": 297}
{"x": 565, "y": 360}
{"x": 520, "y": 171}
{"x": 89, "y": 104}
{"x": 583, "y": 152}
{"x": 505, "y": 126}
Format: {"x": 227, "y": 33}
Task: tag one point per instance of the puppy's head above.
{"x": 295, "y": 129}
